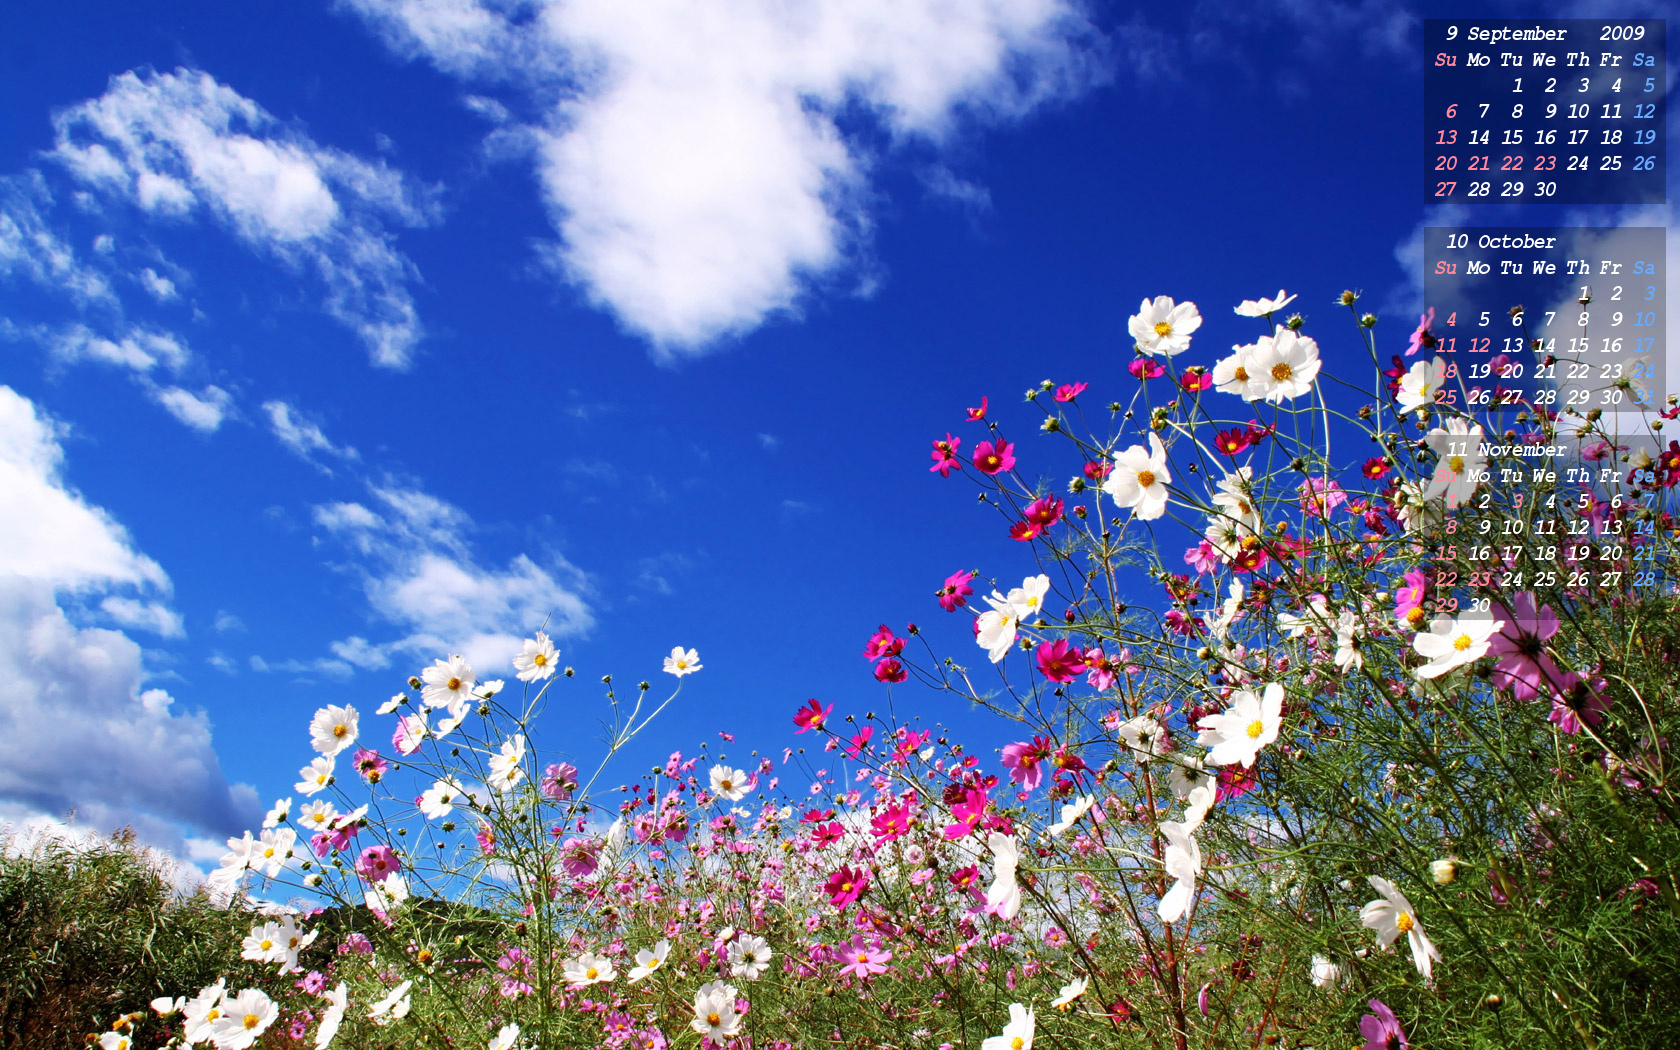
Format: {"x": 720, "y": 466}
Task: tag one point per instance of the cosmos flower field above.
{"x": 1271, "y": 767}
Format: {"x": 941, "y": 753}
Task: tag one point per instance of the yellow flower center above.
{"x": 267, "y": 944}
{"x": 713, "y": 1019}
{"x": 340, "y": 729}
{"x": 1282, "y": 372}
{"x": 1457, "y": 464}
{"x": 1146, "y": 478}
{"x": 1017, "y": 1043}
{"x": 845, "y": 887}
{"x": 454, "y": 683}
{"x": 1403, "y": 922}
{"x": 727, "y": 785}
{"x": 1255, "y": 728}
{"x": 592, "y": 973}
{"x": 541, "y": 659}
{"x": 251, "y": 1021}
{"x": 1163, "y": 328}
{"x": 1462, "y": 642}
{"x": 1240, "y": 375}
{"x": 1415, "y": 614}
{"x": 862, "y": 958}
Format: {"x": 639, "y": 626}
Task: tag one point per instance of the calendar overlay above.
{"x": 1569, "y": 110}
{"x": 1561, "y": 320}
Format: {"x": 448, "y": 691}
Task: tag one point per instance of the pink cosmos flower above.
{"x": 1423, "y": 338}
{"x": 994, "y": 459}
{"x": 1233, "y": 442}
{"x": 827, "y": 834}
{"x": 486, "y": 836}
{"x": 891, "y": 823}
{"x": 1045, "y": 511}
{"x": 1235, "y": 782}
{"x": 1524, "y": 667}
{"x": 864, "y": 958}
{"x": 811, "y": 716}
{"x": 1022, "y": 531}
{"x": 1023, "y": 761}
{"x": 970, "y": 810}
{"x": 1195, "y": 379}
{"x": 954, "y": 595}
{"x": 978, "y": 413}
{"x": 883, "y": 643}
{"x": 580, "y": 857}
{"x": 1202, "y": 557}
{"x": 1059, "y": 661}
{"x": 1069, "y": 391}
{"x": 945, "y": 456}
{"x": 1099, "y": 469}
{"x": 1144, "y": 368}
{"x": 856, "y": 745}
{"x": 369, "y": 765}
{"x": 1408, "y": 600}
{"x": 559, "y": 780}
{"x": 1100, "y": 670}
{"x": 846, "y": 886}
{"x": 1382, "y": 1029}
{"x": 1181, "y": 623}
{"x": 376, "y": 862}
{"x": 890, "y": 671}
{"x": 1320, "y": 496}
{"x": 1578, "y": 700}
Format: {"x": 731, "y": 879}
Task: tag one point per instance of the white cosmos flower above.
{"x": 1459, "y": 470}
{"x": 1160, "y": 327}
{"x": 1325, "y": 974}
{"x": 313, "y": 778}
{"x": 1017, "y": 1034}
{"x": 505, "y": 1038}
{"x": 333, "y": 729}
{"x": 273, "y": 848}
{"x": 536, "y": 661}
{"x": 1283, "y": 365}
{"x": 1183, "y": 862}
{"x": 442, "y": 797}
{"x": 1451, "y": 643}
{"x": 1139, "y": 479}
{"x": 1262, "y": 307}
{"x": 1219, "y": 625}
{"x": 486, "y": 690}
{"x": 264, "y": 944}
{"x": 113, "y": 1041}
{"x": 680, "y": 663}
{"x": 1235, "y": 374}
{"x": 241, "y": 854}
{"x": 1071, "y": 812}
{"x": 393, "y": 1007}
{"x": 1349, "y": 631}
{"x": 243, "y": 1018}
{"x": 506, "y": 765}
{"x": 292, "y": 941}
{"x": 996, "y": 627}
{"x": 448, "y": 724}
{"x": 1070, "y": 991}
{"x": 1392, "y": 916}
{"x": 1420, "y": 384}
{"x": 1143, "y": 735}
{"x": 388, "y": 894}
{"x": 317, "y": 816}
{"x": 729, "y": 783}
{"x": 200, "y": 1014}
{"x": 338, "y": 1000}
{"x": 1417, "y": 512}
{"x": 714, "y": 1012}
{"x": 1237, "y": 734}
{"x": 648, "y": 961}
{"x": 1314, "y": 619}
{"x": 1004, "y": 894}
{"x": 277, "y": 816}
{"x": 749, "y": 956}
{"x": 1028, "y": 599}
{"x": 446, "y": 682}
{"x": 164, "y": 1006}
{"x": 1234, "y": 497}
{"x": 390, "y": 706}
{"x": 588, "y": 969}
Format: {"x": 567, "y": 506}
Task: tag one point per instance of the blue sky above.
{"x": 339, "y": 336}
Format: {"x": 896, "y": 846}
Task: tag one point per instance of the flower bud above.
{"x": 1295, "y": 322}
{"x": 1349, "y": 297}
{"x": 1368, "y": 321}
{"x": 413, "y": 683}
{"x": 1444, "y": 870}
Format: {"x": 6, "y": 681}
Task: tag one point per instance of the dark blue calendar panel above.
{"x": 1569, "y": 110}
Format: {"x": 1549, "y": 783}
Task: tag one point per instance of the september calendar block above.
{"x": 1556, "y": 109}
{"x": 1554, "y": 318}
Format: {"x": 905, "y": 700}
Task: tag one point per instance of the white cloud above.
{"x": 144, "y": 616}
{"x": 203, "y": 411}
{"x": 330, "y": 668}
{"x": 770, "y": 442}
{"x": 302, "y": 436}
{"x": 177, "y": 143}
{"x": 29, "y": 248}
{"x": 694, "y": 167}
{"x": 227, "y": 623}
{"x": 139, "y": 348}
{"x": 421, "y": 575}
{"x": 161, "y": 288}
{"x": 940, "y": 181}
{"x": 49, "y": 533}
{"x": 82, "y": 732}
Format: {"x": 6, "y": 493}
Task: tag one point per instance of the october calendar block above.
{"x": 1555, "y": 109}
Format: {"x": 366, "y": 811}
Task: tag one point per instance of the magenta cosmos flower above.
{"x": 1069, "y": 391}
{"x": 954, "y": 595}
{"x": 370, "y": 765}
{"x": 1382, "y": 1029}
{"x": 994, "y": 459}
{"x": 1059, "y": 661}
{"x": 846, "y": 886}
{"x": 945, "y": 456}
{"x": 559, "y": 780}
{"x": 1578, "y": 700}
{"x": 1523, "y": 667}
{"x": 811, "y": 716}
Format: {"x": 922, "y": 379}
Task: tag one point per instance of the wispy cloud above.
{"x": 302, "y": 437}
{"x": 179, "y": 144}
{"x": 691, "y": 156}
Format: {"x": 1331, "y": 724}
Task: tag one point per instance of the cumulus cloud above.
{"x": 203, "y": 411}
{"x": 692, "y": 157}
{"x": 177, "y": 144}
{"x": 421, "y": 575}
{"x": 81, "y": 691}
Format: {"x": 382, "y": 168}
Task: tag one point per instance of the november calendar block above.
{"x": 1569, "y": 110}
